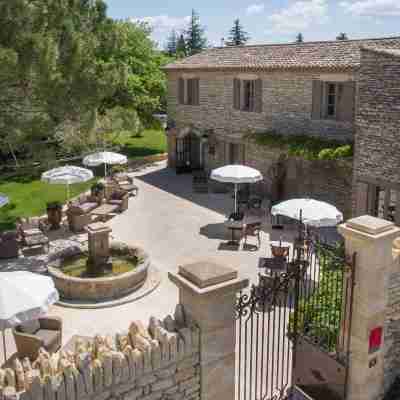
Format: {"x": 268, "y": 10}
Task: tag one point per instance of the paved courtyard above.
{"x": 175, "y": 226}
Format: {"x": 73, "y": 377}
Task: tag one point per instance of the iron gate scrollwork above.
{"x": 307, "y": 305}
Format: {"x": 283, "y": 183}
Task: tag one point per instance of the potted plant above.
{"x": 54, "y": 214}
{"x": 97, "y": 190}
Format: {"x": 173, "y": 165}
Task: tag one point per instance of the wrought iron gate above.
{"x": 183, "y": 153}
{"x": 307, "y": 305}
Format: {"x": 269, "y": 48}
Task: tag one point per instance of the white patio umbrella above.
{"x": 309, "y": 211}
{"x": 3, "y": 200}
{"x": 24, "y": 296}
{"x": 236, "y": 174}
{"x": 67, "y": 175}
{"x": 106, "y": 158}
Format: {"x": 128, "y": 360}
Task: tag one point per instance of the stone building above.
{"x": 377, "y": 155}
{"x": 220, "y": 97}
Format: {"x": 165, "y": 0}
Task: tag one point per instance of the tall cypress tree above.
{"x": 342, "y": 36}
{"x": 299, "y": 38}
{"x": 237, "y": 35}
{"x": 181, "y": 50}
{"x": 172, "y": 42}
{"x": 195, "y": 37}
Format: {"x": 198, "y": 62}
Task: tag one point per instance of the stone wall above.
{"x": 326, "y": 180}
{"x": 158, "y": 362}
{"x": 377, "y": 145}
{"x": 287, "y": 106}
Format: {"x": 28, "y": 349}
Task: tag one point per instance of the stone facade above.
{"x": 286, "y": 105}
{"x": 377, "y": 146}
{"x": 290, "y": 177}
{"x": 158, "y": 362}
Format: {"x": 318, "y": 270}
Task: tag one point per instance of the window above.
{"x": 379, "y": 199}
{"x": 333, "y": 100}
{"x": 234, "y": 153}
{"x": 247, "y": 95}
{"x": 189, "y": 91}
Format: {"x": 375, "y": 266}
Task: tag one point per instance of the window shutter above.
{"x": 317, "y": 100}
{"x": 196, "y": 91}
{"x": 181, "y": 91}
{"x": 258, "y": 95}
{"x": 236, "y": 94}
{"x": 243, "y": 154}
{"x": 361, "y": 199}
{"x": 346, "y": 102}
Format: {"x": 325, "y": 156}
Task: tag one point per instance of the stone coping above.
{"x": 349, "y": 231}
{"x": 370, "y": 224}
{"x": 204, "y": 274}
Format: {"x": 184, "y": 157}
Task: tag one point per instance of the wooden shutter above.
{"x": 346, "y": 101}
{"x": 317, "y": 91}
{"x": 181, "y": 91}
{"x": 258, "y": 95}
{"x": 361, "y": 199}
{"x": 196, "y": 86}
{"x": 236, "y": 94}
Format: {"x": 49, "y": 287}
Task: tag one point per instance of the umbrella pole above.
{"x": 105, "y": 170}
{"x": 4, "y": 346}
{"x": 67, "y": 192}
{"x": 235, "y": 198}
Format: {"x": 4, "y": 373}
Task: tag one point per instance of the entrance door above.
{"x": 188, "y": 154}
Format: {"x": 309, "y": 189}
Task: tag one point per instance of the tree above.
{"x": 342, "y": 36}
{"x": 181, "y": 50}
{"x": 172, "y": 42}
{"x": 299, "y": 38}
{"x": 237, "y": 35}
{"x": 195, "y": 36}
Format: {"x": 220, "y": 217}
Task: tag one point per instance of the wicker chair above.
{"x": 252, "y": 229}
{"x": 119, "y": 198}
{"x": 31, "y": 232}
{"x": 8, "y": 244}
{"x": 44, "y": 332}
{"x": 125, "y": 182}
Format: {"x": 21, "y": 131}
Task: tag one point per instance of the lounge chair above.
{"x": 32, "y": 335}
{"x": 119, "y": 198}
{"x": 78, "y": 212}
{"x": 125, "y": 182}
{"x": 31, "y": 233}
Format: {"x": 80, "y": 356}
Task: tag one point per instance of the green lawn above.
{"x": 29, "y": 195}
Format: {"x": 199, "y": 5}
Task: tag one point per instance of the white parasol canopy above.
{"x": 106, "y": 158}
{"x": 236, "y": 174}
{"x": 3, "y": 200}
{"x": 311, "y": 212}
{"x": 24, "y": 296}
{"x": 67, "y": 175}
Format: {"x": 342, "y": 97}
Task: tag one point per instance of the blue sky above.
{"x": 267, "y": 21}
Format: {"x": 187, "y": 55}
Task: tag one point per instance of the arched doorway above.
{"x": 189, "y": 152}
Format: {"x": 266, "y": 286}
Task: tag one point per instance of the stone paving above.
{"x": 175, "y": 226}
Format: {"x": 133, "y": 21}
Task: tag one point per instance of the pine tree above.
{"x": 237, "y": 35}
{"x": 195, "y": 38}
{"x": 342, "y": 36}
{"x": 299, "y": 38}
{"x": 181, "y": 49}
{"x": 172, "y": 43}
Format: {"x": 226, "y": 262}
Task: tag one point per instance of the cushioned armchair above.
{"x": 8, "y": 244}
{"x": 119, "y": 198}
{"x": 78, "y": 212}
{"x": 31, "y": 336}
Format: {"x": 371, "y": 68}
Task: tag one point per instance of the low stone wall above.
{"x": 158, "y": 362}
{"x": 289, "y": 177}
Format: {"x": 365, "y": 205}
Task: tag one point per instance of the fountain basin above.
{"x": 100, "y": 289}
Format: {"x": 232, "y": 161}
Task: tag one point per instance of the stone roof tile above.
{"x": 338, "y": 55}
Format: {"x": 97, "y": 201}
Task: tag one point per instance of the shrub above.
{"x": 326, "y": 154}
{"x": 344, "y": 151}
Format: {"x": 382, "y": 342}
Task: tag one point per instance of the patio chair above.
{"x": 252, "y": 229}
{"x": 32, "y": 335}
{"x": 31, "y": 232}
{"x": 125, "y": 182}
{"x": 8, "y": 244}
{"x": 119, "y": 198}
{"x": 78, "y": 212}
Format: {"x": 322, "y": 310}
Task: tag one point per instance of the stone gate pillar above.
{"x": 370, "y": 343}
{"x": 207, "y": 293}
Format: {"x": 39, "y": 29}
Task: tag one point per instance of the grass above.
{"x": 28, "y": 195}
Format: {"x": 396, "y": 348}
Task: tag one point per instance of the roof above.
{"x": 382, "y": 50}
{"x": 336, "y": 55}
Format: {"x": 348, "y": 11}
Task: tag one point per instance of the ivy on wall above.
{"x": 307, "y": 147}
